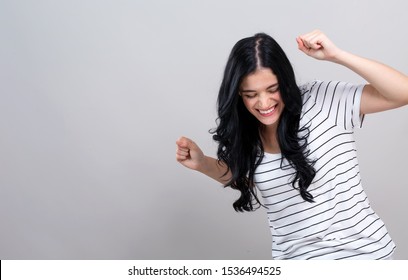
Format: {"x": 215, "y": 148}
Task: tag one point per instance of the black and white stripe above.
{"x": 340, "y": 224}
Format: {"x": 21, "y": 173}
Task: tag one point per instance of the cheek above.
{"x": 248, "y": 104}
{"x": 279, "y": 99}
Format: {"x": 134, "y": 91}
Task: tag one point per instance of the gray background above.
{"x": 94, "y": 94}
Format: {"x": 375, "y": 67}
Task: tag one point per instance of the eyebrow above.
{"x": 250, "y": 90}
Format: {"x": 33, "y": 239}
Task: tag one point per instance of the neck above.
{"x": 269, "y": 137}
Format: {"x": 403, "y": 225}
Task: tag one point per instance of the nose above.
{"x": 263, "y": 101}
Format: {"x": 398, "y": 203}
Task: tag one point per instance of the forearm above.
{"x": 390, "y": 83}
{"x": 387, "y": 87}
{"x": 215, "y": 169}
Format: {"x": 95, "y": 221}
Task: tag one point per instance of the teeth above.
{"x": 267, "y": 111}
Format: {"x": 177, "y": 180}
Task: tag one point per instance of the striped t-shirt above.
{"x": 340, "y": 224}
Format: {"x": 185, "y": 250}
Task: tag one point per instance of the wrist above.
{"x": 203, "y": 165}
{"x": 214, "y": 169}
{"x": 340, "y": 57}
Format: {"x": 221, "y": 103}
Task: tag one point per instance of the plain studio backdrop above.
{"x": 94, "y": 94}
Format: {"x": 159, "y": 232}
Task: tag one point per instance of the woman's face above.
{"x": 261, "y": 96}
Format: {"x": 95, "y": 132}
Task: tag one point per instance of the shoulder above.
{"x": 328, "y": 91}
{"x": 307, "y": 87}
{"x": 308, "y": 92}
{"x": 311, "y": 89}
{"x": 334, "y": 100}
{"x": 315, "y": 87}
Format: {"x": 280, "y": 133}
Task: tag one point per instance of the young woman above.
{"x": 296, "y": 146}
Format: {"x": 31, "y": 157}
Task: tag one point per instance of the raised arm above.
{"x": 190, "y": 155}
{"x": 387, "y": 88}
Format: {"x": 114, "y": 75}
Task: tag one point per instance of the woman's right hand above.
{"x": 189, "y": 154}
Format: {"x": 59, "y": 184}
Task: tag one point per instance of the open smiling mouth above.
{"x": 266, "y": 113}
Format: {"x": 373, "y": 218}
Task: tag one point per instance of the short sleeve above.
{"x": 337, "y": 102}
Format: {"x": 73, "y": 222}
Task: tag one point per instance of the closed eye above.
{"x": 273, "y": 89}
{"x": 249, "y": 93}
{"x": 249, "y": 96}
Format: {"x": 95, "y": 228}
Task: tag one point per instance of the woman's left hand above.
{"x": 317, "y": 45}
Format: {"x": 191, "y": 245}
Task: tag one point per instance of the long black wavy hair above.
{"x": 238, "y": 131}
